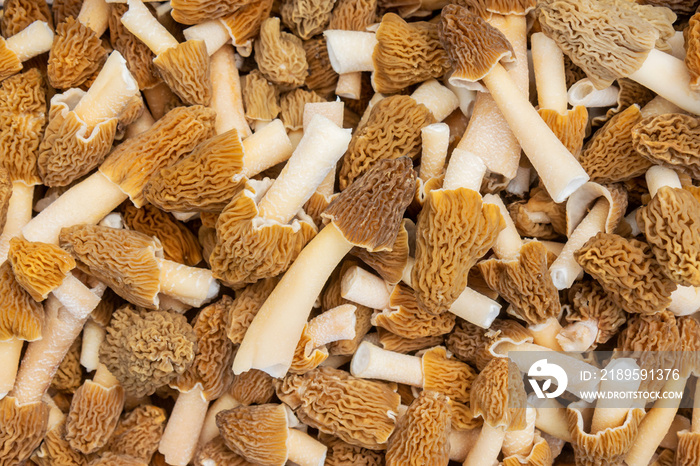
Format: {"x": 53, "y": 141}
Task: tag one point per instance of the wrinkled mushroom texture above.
{"x": 691, "y": 35}
{"x": 20, "y": 315}
{"x": 135, "y": 107}
{"x": 463, "y": 417}
{"x": 388, "y": 264}
{"x": 315, "y": 206}
{"x": 21, "y": 429}
{"x": 406, "y": 54}
{"x": 145, "y": 350}
{"x": 627, "y": 270}
{"x": 422, "y": 433}
{"x": 525, "y": 283}
{"x": 138, "y": 432}
{"x": 124, "y": 259}
{"x": 406, "y": 318}
{"x": 630, "y": 93}
{"x": 472, "y": 44}
{"x": 358, "y": 411}
{"x": 353, "y": 15}
{"x": 570, "y": 129}
{"x": 321, "y": 77}
{"x": 245, "y": 307}
{"x": 18, "y": 14}
{"x": 56, "y": 451}
{"x": 681, "y": 7}
{"x": 306, "y": 18}
{"x": 244, "y": 23}
{"x": 671, "y": 225}
{"x": 280, "y": 56}
{"x": 468, "y": 343}
{"x": 610, "y": 155}
{"x": 307, "y": 357}
{"x": 607, "y": 39}
{"x": 292, "y": 107}
{"x": 661, "y": 18}
{"x": 519, "y": 212}
{"x": 110, "y": 301}
{"x": 76, "y": 54}
{"x": 215, "y": 452}
{"x": 257, "y": 433}
{"x": 133, "y": 162}
{"x": 449, "y": 376}
{"x": 398, "y": 344}
{"x": 454, "y": 230}
{"x": 197, "y": 11}
{"x": 249, "y": 248}
{"x": 589, "y": 301}
{"x": 392, "y": 130}
{"x": 114, "y": 459}
{"x": 671, "y": 140}
{"x": 369, "y": 212}
{"x": 261, "y": 97}
{"x": 688, "y": 452}
{"x": 139, "y": 58}
{"x": 69, "y": 374}
{"x": 185, "y": 69}
{"x": 689, "y": 329}
{"x": 93, "y": 415}
{"x": 179, "y": 244}
{"x": 342, "y": 454}
{"x": 212, "y": 363}
{"x": 39, "y": 267}
{"x": 253, "y": 387}
{"x": 498, "y": 395}
{"x": 63, "y": 9}
{"x": 5, "y": 195}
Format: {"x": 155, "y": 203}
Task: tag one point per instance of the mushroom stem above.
{"x": 550, "y": 76}
{"x": 333, "y": 325}
{"x": 695, "y": 424}
{"x": 520, "y": 185}
{"x": 191, "y": 285}
{"x": 551, "y": 417}
{"x": 611, "y": 413}
{"x": 631, "y": 220}
{"x": 584, "y": 93}
{"x": 669, "y": 77}
{"x": 578, "y": 336}
{"x": 213, "y": 33}
{"x": 435, "y": 141}
{"x": 508, "y": 242}
{"x": 372, "y": 362}
{"x": 519, "y": 442}
{"x": 209, "y": 427}
{"x": 488, "y": 446}
{"x": 461, "y": 441}
{"x": 141, "y": 23}
{"x": 658, "y": 176}
{"x": 10, "y": 352}
{"x": 227, "y": 99}
{"x": 31, "y": 41}
{"x": 465, "y": 170}
{"x": 104, "y": 377}
{"x": 437, "y": 98}
{"x": 658, "y": 106}
{"x": 349, "y": 85}
{"x": 19, "y": 213}
{"x": 304, "y": 450}
{"x": 334, "y": 111}
{"x": 266, "y": 148}
{"x": 545, "y": 334}
{"x": 685, "y": 300}
{"x": 350, "y": 51}
{"x": 94, "y": 14}
{"x": 93, "y": 336}
{"x": 184, "y": 427}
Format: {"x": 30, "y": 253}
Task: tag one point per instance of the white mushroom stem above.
{"x": 435, "y": 141}
{"x": 520, "y": 185}
{"x": 659, "y": 176}
{"x": 113, "y": 220}
{"x": 465, "y": 96}
{"x": 565, "y": 269}
{"x": 584, "y": 93}
{"x": 578, "y": 336}
{"x": 372, "y": 362}
{"x": 437, "y": 98}
{"x": 465, "y": 170}
{"x": 350, "y": 51}
{"x": 488, "y": 446}
{"x": 213, "y": 33}
{"x": 659, "y": 106}
{"x": 333, "y": 325}
{"x": 304, "y": 450}
{"x": 668, "y": 76}
{"x": 508, "y": 242}
{"x": 104, "y": 377}
{"x": 10, "y": 352}
{"x": 31, "y": 41}
{"x": 519, "y": 442}
{"x": 179, "y": 440}
{"x": 611, "y": 412}
{"x": 695, "y": 424}
{"x": 685, "y": 300}
{"x": 550, "y": 76}
{"x": 266, "y": 148}
{"x": 227, "y": 99}
{"x": 349, "y": 85}
{"x": 545, "y": 334}
{"x": 551, "y": 417}
{"x": 334, "y": 111}
{"x": 141, "y": 23}
{"x": 461, "y": 441}
{"x": 631, "y": 220}
{"x": 19, "y": 213}
{"x": 93, "y": 336}
{"x": 140, "y": 125}
{"x": 209, "y": 427}
{"x": 553, "y": 247}
{"x": 191, "y": 285}
{"x": 323, "y": 144}
{"x": 94, "y": 14}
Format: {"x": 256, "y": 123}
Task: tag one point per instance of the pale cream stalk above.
{"x": 141, "y": 23}
{"x": 140, "y": 125}
{"x": 577, "y": 337}
{"x": 372, "y": 362}
{"x": 10, "y": 352}
{"x": 508, "y": 242}
{"x": 437, "y": 98}
{"x": 334, "y": 111}
{"x": 545, "y": 334}
{"x": 191, "y": 285}
{"x": 685, "y": 300}
{"x": 333, "y": 325}
{"x": 266, "y": 148}
{"x": 584, "y": 93}
{"x": 465, "y": 96}
{"x": 658, "y": 106}
{"x": 658, "y": 176}
{"x": 227, "y": 99}
{"x": 19, "y": 213}
{"x": 611, "y": 413}
{"x": 435, "y": 140}
{"x": 209, "y": 427}
{"x": 519, "y": 442}
{"x": 465, "y": 170}
{"x": 212, "y": 32}
{"x": 350, "y": 51}
{"x": 304, "y": 450}
{"x": 550, "y": 76}
{"x": 93, "y": 336}
{"x": 461, "y": 441}
{"x": 94, "y": 14}
{"x": 179, "y": 440}
{"x": 31, "y": 41}
{"x": 488, "y": 446}
{"x": 349, "y": 85}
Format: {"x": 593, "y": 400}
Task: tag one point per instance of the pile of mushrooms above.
{"x": 334, "y": 231}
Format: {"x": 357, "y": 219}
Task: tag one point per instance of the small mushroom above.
{"x": 306, "y": 18}
{"x": 31, "y": 41}
{"x": 669, "y": 140}
{"x": 261, "y": 99}
{"x": 55, "y": 449}
{"x": 321, "y": 77}
{"x": 274, "y": 48}
{"x": 18, "y": 14}
{"x": 138, "y": 56}
{"x": 138, "y": 432}
{"x": 22, "y": 427}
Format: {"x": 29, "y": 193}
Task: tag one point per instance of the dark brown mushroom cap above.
{"x": 177, "y": 133}
{"x": 525, "y": 283}
{"x": 447, "y": 375}
{"x": 260, "y": 97}
{"x": 216, "y": 452}
{"x": 21, "y": 429}
{"x": 186, "y": 70}
{"x": 69, "y": 375}
{"x": 398, "y": 344}
{"x": 63, "y": 9}
{"x": 454, "y": 230}
{"x": 39, "y": 267}
{"x": 358, "y": 411}
{"x": 671, "y": 140}
{"x": 321, "y": 78}
{"x": 18, "y": 14}
{"x": 406, "y": 54}
{"x": 93, "y": 416}
{"x": 342, "y": 454}
{"x": 369, "y": 212}
{"x": 138, "y": 432}
{"x": 422, "y": 433}
{"x": 245, "y": 307}
{"x": 393, "y": 130}
{"x": 498, "y": 395}
{"x": 76, "y": 55}
{"x": 389, "y": 264}
{"x": 306, "y": 18}
{"x": 124, "y": 259}
{"x": 257, "y": 433}
{"x": 139, "y": 58}
{"x": 197, "y": 11}
{"x": 253, "y": 387}
{"x": 472, "y": 44}
{"x": 671, "y": 225}
{"x": 589, "y": 301}
{"x": 280, "y": 56}
{"x": 145, "y": 350}
{"x": 688, "y": 452}
{"x": 20, "y": 315}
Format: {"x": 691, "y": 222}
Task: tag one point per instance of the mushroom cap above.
{"x": 124, "y": 259}
{"x": 670, "y": 225}
{"x": 110, "y": 302}
{"x": 689, "y": 329}
{"x": 39, "y": 267}
{"x": 454, "y": 230}
{"x": 631, "y": 92}
{"x": 261, "y": 98}
{"x": 307, "y": 356}
{"x": 139, "y": 58}
{"x": 56, "y": 451}
{"x": 253, "y": 387}
{"x": 369, "y": 212}
{"x": 9, "y": 63}
{"x": 691, "y": 34}
{"x": 18, "y": 14}
{"x": 540, "y": 455}
{"x": 113, "y": 459}
{"x": 133, "y": 162}
{"x": 341, "y": 453}
{"x": 179, "y": 244}
{"x": 21, "y": 429}
{"x": 525, "y": 283}
{"x": 186, "y": 70}
{"x": 292, "y": 107}
{"x": 422, "y": 433}
{"x": 406, "y": 54}
{"x": 447, "y": 375}
{"x": 570, "y": 128}
{"x": 246, "y": 306}
{"x": 688, "y": 452}
{"x": 244, "y": 23}
{"x": 5, "y": 195}
{"x": 627, "y": 270}
{"x": 93, "y": 416}
{"x": 62, "y": 9}
{"x": 472, "y": 44}
{"x": 389, "y": 264}
{"x": 468, "y": 343}
{"x": 353, "y": 15}
{"x": 398, "y": 344}
{"x": 589, "y": 301}
{"x": 69, "y": 375}
{"x": 280, "y": 56}
{"x": 306, "y": 18}
{"x": 498, "y": 395}
{"x": 197, "y": 11}
{"x": 670, "y": 140}
{"x": 392, "y": 130}
{"x": 358, "y": 411}
{"x": 145, "y": 350}
{"x": 257, "y": 433}
{"x": 216, "y": 452}
{"x": 20, "y": 315}
{"x": 321, "y": 76}
{"x": 138, "y": 432}
{"x": 75, "y": 56}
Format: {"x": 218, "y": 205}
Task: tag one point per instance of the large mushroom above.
{"x": 31, "y": 41}
{"x": 138, "y": 432}
{"x": 670, "y": 140}
{"x": 18, "y": 14}
{"x": 22, "y": 428}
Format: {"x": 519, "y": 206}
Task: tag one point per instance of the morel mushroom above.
{"x": 669, "y": 140}
{"x": 22, "y": 428}
{"x": 33, "y": 40}
{"x": 138, "y": 56}
{"x": 138, "y": 432}
{"x": 280, "y": 56}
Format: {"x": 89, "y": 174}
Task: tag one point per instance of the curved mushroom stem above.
{"x": 488, "y": 446}
{"x": 465, "y": 170}
{"x": 550, "y": 76}
{"x": 19, "y": 213}
{"x": 266, "y": 148}
{"x": 584, "y": 93}
{"x": 551, "y": 417}
{"x": 31, "y": 41}
{"x": 545, "y": 334}
{"x": 213, "y": 33}
{"x": 141, "y": 23}
{"x": 10, "y": 352}
{"x": 349, "y": 85}
{"x": 304, "y": 450}
{"x": 578, "y": 336}
{"x": 372, "y": 362}
{"x": 227, "y": 99}
{"x": 179, "y": 440}
{"x": 435, "y": 140}
{"x": 685, "y": 300}
{"x": 611, "y": 413}
{"x": 191, "y": 285}
{"x": 350, "y": 51}
{"x": 437, "y": 98}
{"x": 659, "y": 176}
{"x": 519, "y": 442}
{"x": 508, "y": 241}
{"x": 209, "y": 427}
{"x": 94, "y": 14}
{"x": 333, "y": 325}
{"x": 93, "y": 336}
{"x": 631, "y": 220}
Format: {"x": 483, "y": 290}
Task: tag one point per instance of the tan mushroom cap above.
{"x": 76, "y": 55}
{"x": 455, "y": 229}
{"x": 39, "y": 267}
{"x": 406, "y": 318}
{"x": 422, "y": 433}
{"x": 56, "y": 451}
{"x": 570, "y": 128}
{"x": 197, "y": 11}
{"x": 353, "y": 15}
{"x": 540, "y": 455}
{"x": 498, "y": 395}
{"x": 358, "y": 411}
{"x": 628, "y": 271}
{"x": 589, "y": 301}
{"x": 539, "y": 202}
{"x": 447, "y": 375}
{"x": 292, "y": 107}
{"x": 630, "y": 93}
{"x": 138, "y": 432}
{"x": 185, "y": 69}
{"x": 389, "y": 264}
{"x": 216, "y": 452}
{"x": 145, "y": 350}
{"x": 670, "y": 140}
{"x": 9, "y": 63}
{"x": 342, "y": 454}
{"x": 133, "y": 163}
{"x": 398, "y": 344}
{"x": 257, "y": 433}
{"x": 463, "y": 418}
{"x": 69, "y": 375}
{"x": 406, "y": 54}
{"x": 21, "y": 429}
{"x": 63, "y": 9}
{"x": 670, "y": 224}
{"x": 93, "y": 416}
{"x": 246, "y": 306}
{"x": 280, "y": 56}
{"x": 525, "y": 283}
{"x": 253, "y": 387}
{"x": 20, "y": 315}
{"x": 114, "y": 459}
{"x": 5, "y": 195}
{"x": 306, "y": 18}
{"x": 109, "y": 303}
{"x": 688, "y": 452}
{"x": 468, "y": 343}
{"x": 139, "y": 58}
{"x": 691, "y": 35}
{"x": 392, "y": 130}
{"x": 18, "y": 14}
{"x": 321, "y": 78}
{"x": 244, "y": 23}
{"x": 260, "y": 97}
